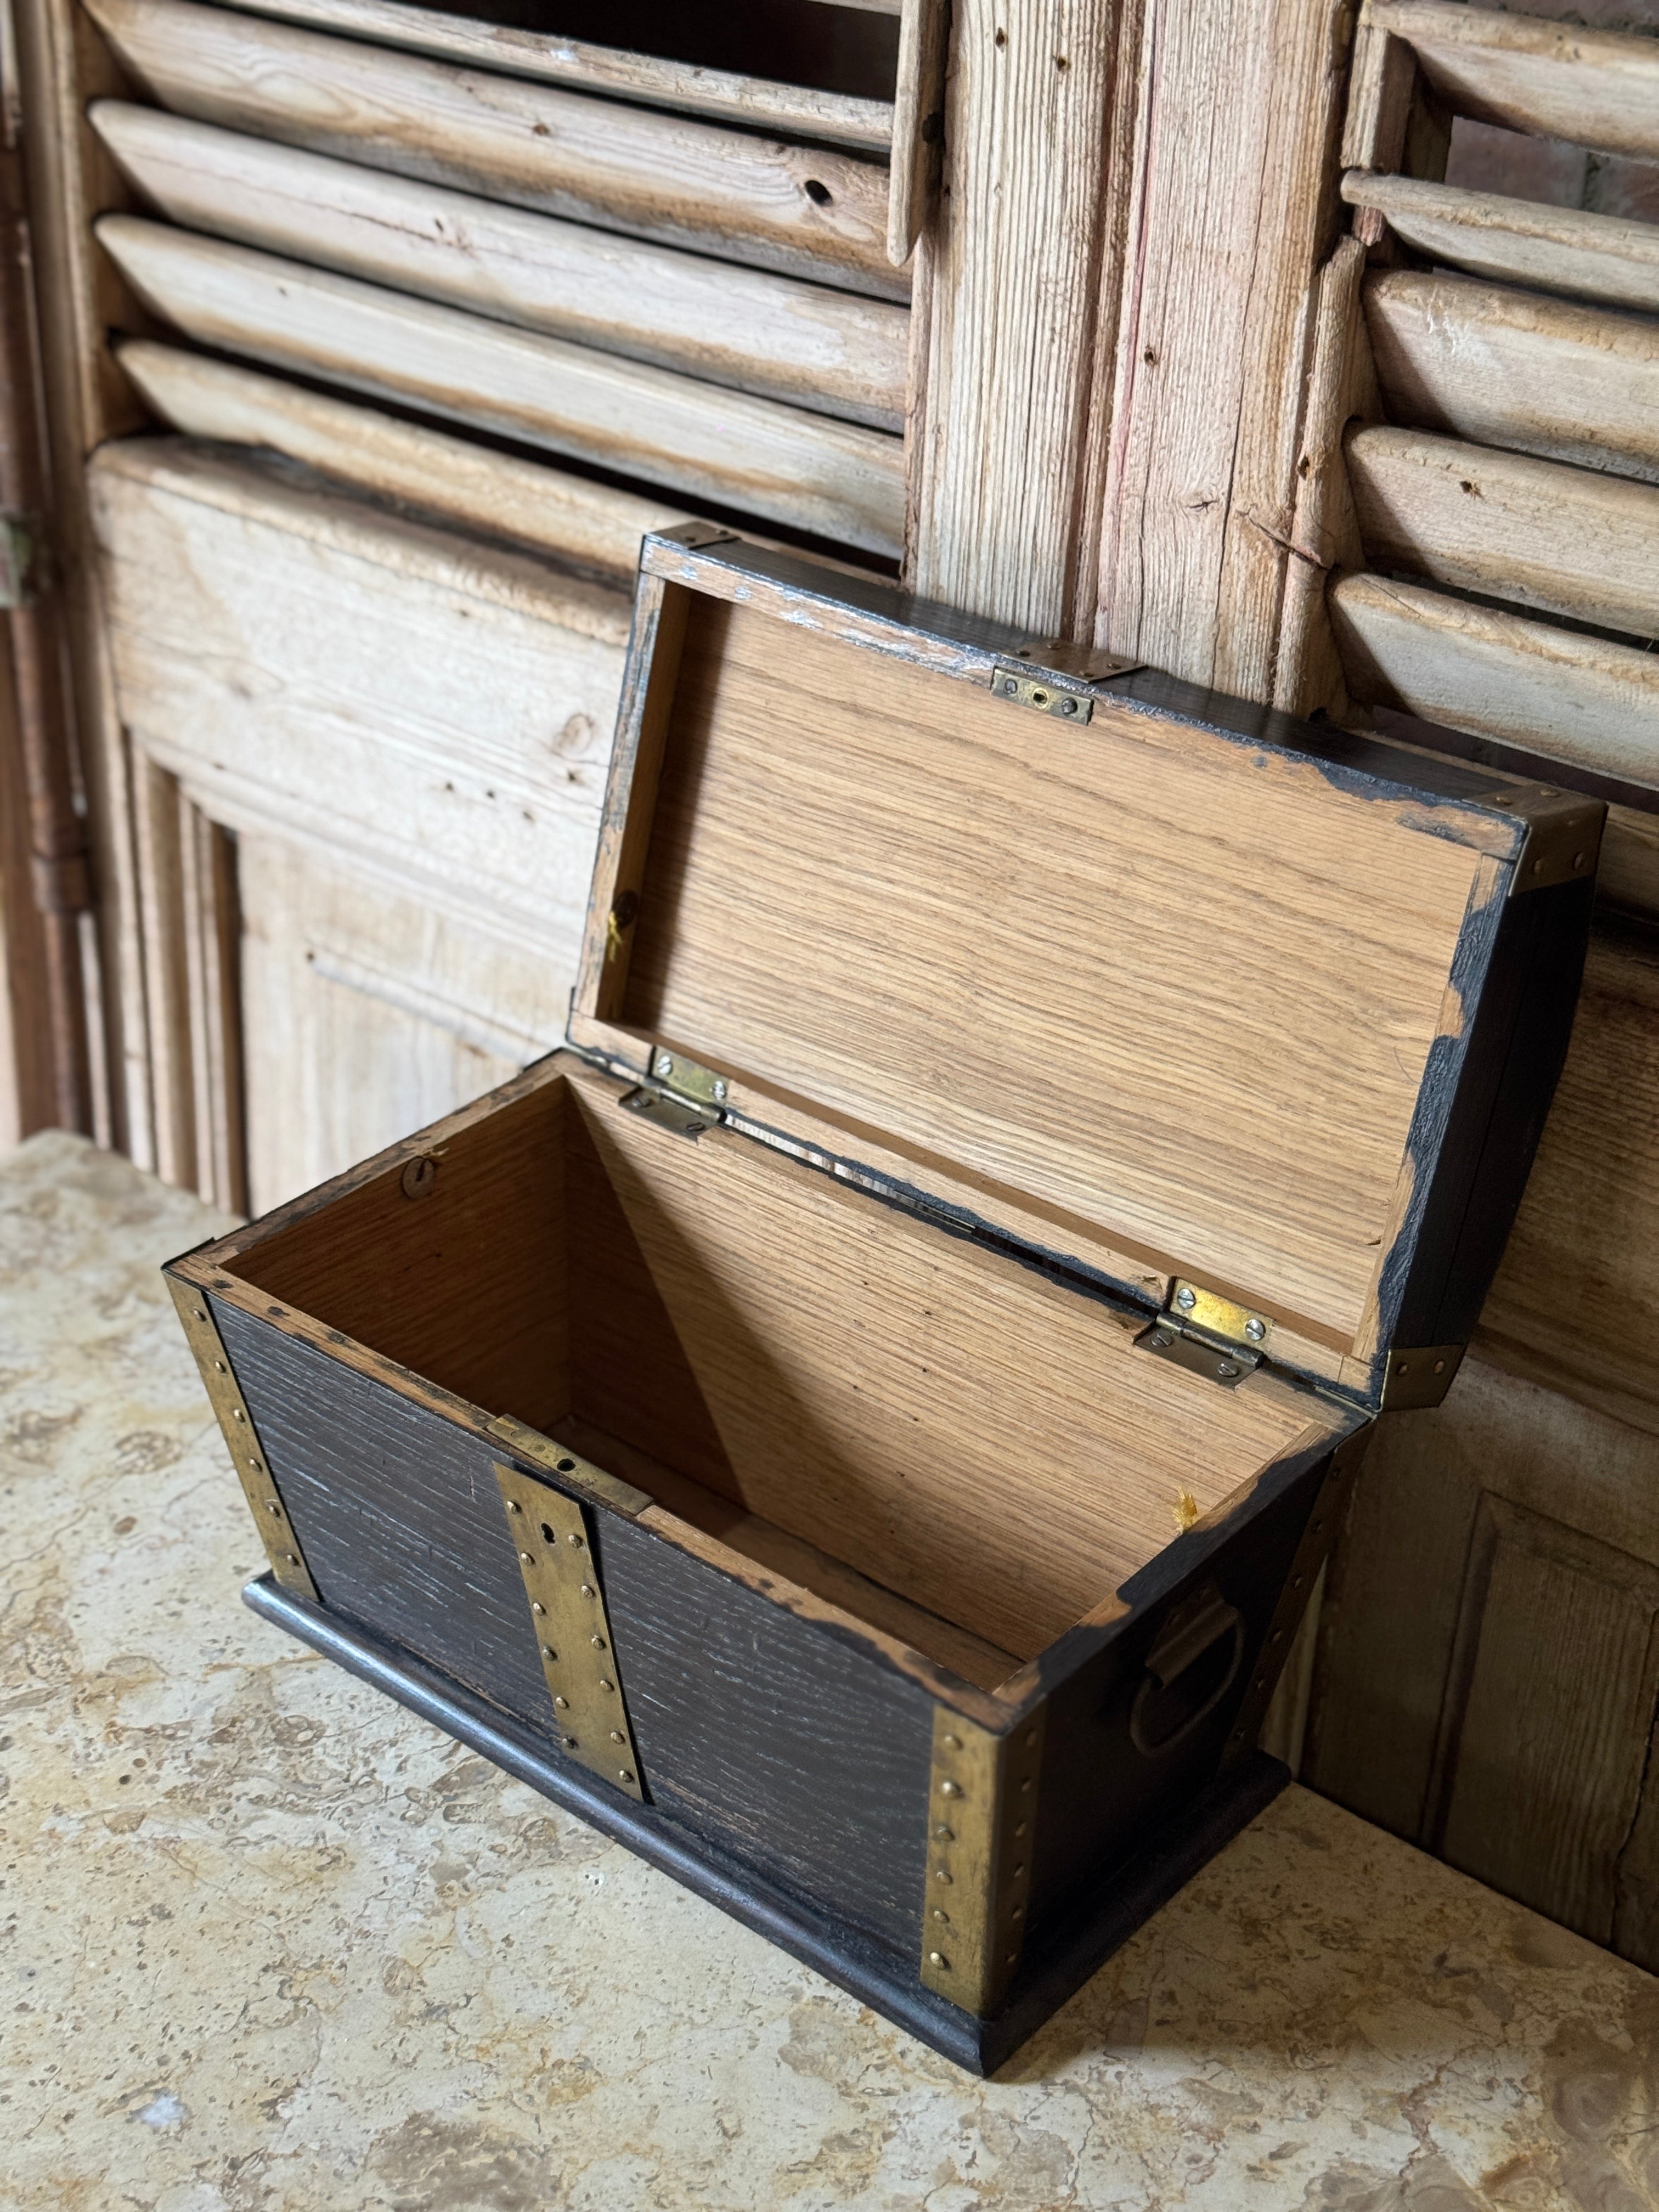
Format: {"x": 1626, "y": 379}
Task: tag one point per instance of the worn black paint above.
{"x": 796, "y": 1746}
{"x": 1053, "y": 1969}
{"x": 398, "y": 1512}
{"x": 1099, "y": 1797}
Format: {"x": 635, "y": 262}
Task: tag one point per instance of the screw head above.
{"x": 1254, "y": 1329}
{"x": 418, "y": 1178}
{"x": 1186, "y": 1298}
{"x": 720, "y": 1086}
{"x": 1226, "y": 1371}
{"x": 664, "y": 1063}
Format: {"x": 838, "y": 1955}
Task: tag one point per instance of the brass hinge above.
{"x": 1213, "y": 1336}
{"x": 1057, "y": 677}
{"x": 678, "y": 1095}
{"x": 248, "y": 1454}
{"x": 572, "y": 1628}
{"x": 982, "y": 1796}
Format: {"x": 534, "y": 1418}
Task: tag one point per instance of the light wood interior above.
{"x": 955, "y": 1449}
{"x": 1178, "y": 988}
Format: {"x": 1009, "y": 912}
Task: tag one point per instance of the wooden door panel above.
{"x": 369, "y": 1015}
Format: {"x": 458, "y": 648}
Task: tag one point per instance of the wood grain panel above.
{"x": 782, "y": 1285}
{"x": 1576, "y": 1303}
{"x": 1606, "y": 258}
{"x": 1558, "y": 80}
{"x": 1565, "y": 695}
{"x": 804, "y": 923}
{"x": 748, "y": 328}
{"x": 1565, "y": 540}
{"x": 655, "y": 175}
{"x": 593, "y": 526}
{"x": 690, "y": 87}
{"x": 1512, "y": 369}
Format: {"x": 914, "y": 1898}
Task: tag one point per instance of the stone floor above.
{"x": 274, "y": 1946}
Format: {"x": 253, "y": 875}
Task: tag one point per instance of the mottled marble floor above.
{"x": 274, "y": 1946}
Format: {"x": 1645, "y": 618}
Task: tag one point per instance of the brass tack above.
{"x": 573, "y": 1538}
{"x": 237, "y": 1414}
{"x": 274, "y": 1505}
{"x": 936, "y": 1958}
{"x": 598, "y": 1641}
{"x": 1026, "y": 1784}
{"x": 944, "y": 1836}
{"x": 624, "y": 1774}
{"x": 1439, "y": 1366}
{"x": 569, "y": 1741}
{"x": 953, "y": 1742}
{"x": 562, "y": 1703}
{"x": 513, "y": 1506}
{"x": 1013, "y": 1957}
{"x": 538, "y": 1608}
{"x": 548, "y": 1652}
{"x": 950, "y": 1790}
{"x": 257, "y": 1464}
{"x": 603, "y": 1684}
{"x": 292, "y": 1559}
{"x": 1019, "y": 1870}
{"x": 944, "y": 1875}
{"x": 1278, "y": 1637}
{"x": 1031, "y": 1739}
{"x": 1018, "y": 1912}
{"x": 939, "y": 1913}
{"x": 529, "y": 1558}
{"x": 587, "y": 1589}
{"x": 221, "y": 1367}
{"x": 616, "y": 1736}
{"x": 200, "y": 1315}
{"x": 1019, "y": 1827}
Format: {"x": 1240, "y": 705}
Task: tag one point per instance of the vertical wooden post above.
{"x": 1003, "y": 456}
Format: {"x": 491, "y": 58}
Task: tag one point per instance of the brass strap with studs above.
{"x": 981, "y": 1821}
{"x": 248, "y": 1455}
{"x": 554, "y": 1548}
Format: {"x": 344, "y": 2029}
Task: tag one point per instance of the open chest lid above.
{"x": 1249, "y": 1024}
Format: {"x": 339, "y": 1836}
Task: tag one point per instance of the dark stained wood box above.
{"x": 862, "y": 1422}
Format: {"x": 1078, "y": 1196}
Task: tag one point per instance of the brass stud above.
{"x": 569, "y": 1741}
{"x": 950, "y": 1790}
{"x": 292, "y": 1559}
{"x": 944, "y": 1875}
{"x": 575, "y": 1540}
{"x": 1019, "y": 1827}
{"x": 237, "y": 1414}
{"x": 939, "y": 1913}
{"x": 953, "y": 1743}
{"x": 1013, "y": 1957}
{"x": 548, "y": 1652}
{"x": 616, "y": 1736}
{"x": 562, "y": 1703}
{"x": 936, "y": 1958}
{"x": 598, "y": 1643}
{"x": 221, "y": 1367}
{"x": 200, "y": 1315}
{"x": 257, "y": 1465}
{"x": 624, "y": 1774}
{"x": 274, "y": 1505}
{"x": 603, "y": 1684}
{"x": 587, "y": 1589}
{"x": 942, "y": 1835}
{"x": 537, "y": 1608}
{"x": 1018, "y": 1913}
{"x": 529, "y": 1558}
{"x": 513, "y": 1506}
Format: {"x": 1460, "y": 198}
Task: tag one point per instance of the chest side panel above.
{"x": 397, "y": 1511}
{"x": 788, "y": 1743}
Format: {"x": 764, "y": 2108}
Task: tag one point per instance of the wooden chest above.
{"x": 860, "y": 1424}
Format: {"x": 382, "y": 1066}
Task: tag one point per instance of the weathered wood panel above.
{"x": 1564, "y": 693}
{"x": 1558, "y": 80}
{"x": 691, "y": 87}
{"x": 1515, "y": 369}
{"x": 435, "y": 711}
{"x": 1212, "y": 344}
{"x": 1004, "y": 476}
{"x": 1509, "y": 526}
{"x": 1485, "y": 1684}
{"x": 1575, "y": 1303}
{"x": 590, "y": 524}
{"x": 812, "y": 211}
{"x": 837, "y": 478}
{"x": 748, "y": 328}
{"x": 1608, "y": 258}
